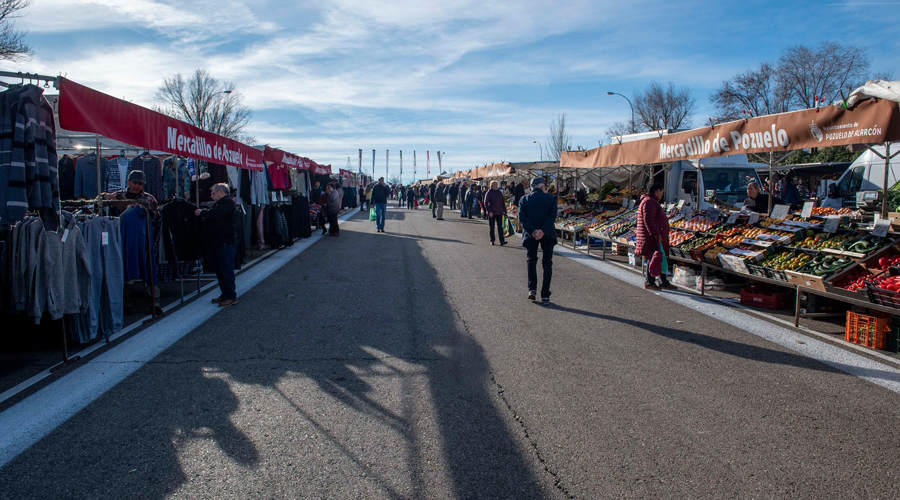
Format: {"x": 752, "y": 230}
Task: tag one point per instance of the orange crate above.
{"x": 870, "y": 331}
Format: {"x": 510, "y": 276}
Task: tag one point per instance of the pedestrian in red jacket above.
{"x": 653, "y": 237}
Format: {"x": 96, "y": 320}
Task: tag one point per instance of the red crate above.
{"x": 755, "y": 296}
{"x": 870, "y": 331}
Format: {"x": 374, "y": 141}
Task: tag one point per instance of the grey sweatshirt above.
{"x": 63, "y": 284}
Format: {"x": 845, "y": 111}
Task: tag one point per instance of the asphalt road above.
{"x": 408, "y": 364}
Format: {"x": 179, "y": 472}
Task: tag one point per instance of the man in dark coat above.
{"x": 653, "y": 236}
{"x": 220, "y": 228}
{"x": 463, "y": 211}
{"x": 454, "y": 192}
{"x": 537, "y": 213}
{"x": 380, "y": 194}
{"x": 440, "y": 199}
{"x": 519, "y": 192}
{"x": 495, "y": 206}
{"x": 431, "y": 188}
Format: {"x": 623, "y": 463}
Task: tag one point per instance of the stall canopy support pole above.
{"x": 771, "y": 184}
{"x": 197, "y": 200}
{"x": 150, "y": 267}
{"x": 99, "y": 172}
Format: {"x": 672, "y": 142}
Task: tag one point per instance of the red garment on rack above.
{"x": 281, "y": 176}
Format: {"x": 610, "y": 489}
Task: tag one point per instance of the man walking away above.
{"x": 401, "y": 198}
{"x": 380, "y": 194}
{"x": 537, "y": 212}
{"x": 440, "y": 199}
{"x": 220, "y": 227}
{"x": 333, "y": 208}
{"x": 495, "y": 206}
{"x": 462, "y": 200}
{"x": 470, "y": 200}
{"x": 454, "y": 192}
{"x": 410, "y": 197}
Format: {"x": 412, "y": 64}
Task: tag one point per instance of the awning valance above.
{"x": 275, "y": 156}
{"x": 82, "y": 109}
{"x": 868, "y": 122}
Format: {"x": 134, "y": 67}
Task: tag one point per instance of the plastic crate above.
{"x": 883, "y": 297}
{"x": 893, "y": 341}
{"x": 870, "y": 331}
{"x": 757, "y": 270}
{"x": 755, "y": 296}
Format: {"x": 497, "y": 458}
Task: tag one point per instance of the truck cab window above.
{"x": 689, "y": 183}
{"x": 853, "y": 182}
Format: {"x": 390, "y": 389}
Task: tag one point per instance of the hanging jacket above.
{"x": 133, "y": 229}
{"x": 63, "y": 278}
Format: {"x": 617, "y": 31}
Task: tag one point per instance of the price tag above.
{"x": 104, "y": 238}
{"x": 65, "y": 236}
{"x": 831, "y": 223}
{"x": 780, "y": 211}
{"x": 754, "y": 218}
{"x": 733, "y": 217}
{"x": 680, "y": 203}
{"x": 713, "y": 214}
{"x": 624, "y": 202}
{"x": 687, "y": 212}
{"x": 881, "y": 227}
{"x": 807, "y": 209}
{"x": 732, "y": 200}
{"x": 630, "y": 204}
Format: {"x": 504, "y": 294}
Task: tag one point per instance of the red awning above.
{"x": 82, "y": 109}
{"x": 283, "y": 158}
{"x": 346, "y": 173}
{"x": 319, "y": 169}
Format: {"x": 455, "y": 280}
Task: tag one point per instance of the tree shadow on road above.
{"x": 365, "y": 387}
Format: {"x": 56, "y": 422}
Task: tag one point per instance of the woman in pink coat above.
{"x": 653, "y": 237}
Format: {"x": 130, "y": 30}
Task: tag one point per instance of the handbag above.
{"x": 508, "y": 229}
{"x": 665, "y": 261}
{"x": 373, "y": 215}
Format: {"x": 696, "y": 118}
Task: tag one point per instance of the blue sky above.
{"x": 480, "y": 80}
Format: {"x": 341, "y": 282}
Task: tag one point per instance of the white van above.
{"x": 725, "y": 177}
{"x": 864, "y": 174}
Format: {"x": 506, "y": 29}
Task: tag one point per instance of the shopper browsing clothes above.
{"x": 495, "y": 206}
{"x": 537, "y": 212}
{"x": 380, "y": 194}
{"x": 333, "y": 208}
{"x": 219, "y": 229}
{"x": 653, "y": 237}
{"x": 133, "y": 228}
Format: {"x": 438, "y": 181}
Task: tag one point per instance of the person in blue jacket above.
{"x": 537, "y": 213}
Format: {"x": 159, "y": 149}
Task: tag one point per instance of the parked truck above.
{"x": 866, "y": 173}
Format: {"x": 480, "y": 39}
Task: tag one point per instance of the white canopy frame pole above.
{"x": 887, "y": 156}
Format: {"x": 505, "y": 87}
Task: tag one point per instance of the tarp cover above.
{"x": 82, "y": 109}
{"x": 878, "y": 89}
{"x": 866, "y": 123}
{"x": 283, "y": 158}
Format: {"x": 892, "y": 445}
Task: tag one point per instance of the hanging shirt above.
{"x": 281, "y": 178}
{"x": 86, "y": 176}
{"x": 66, "y": 178}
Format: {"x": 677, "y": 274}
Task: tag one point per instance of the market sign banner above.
{"x": 346, "y": 173}
{"x": 82, "y": 109}
{"x": 319, "y": 169}
{"x": 868, "y": 122}
{"x": 277, "y": 157}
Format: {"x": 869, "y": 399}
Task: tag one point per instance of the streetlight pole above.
{"x": 632, "y": 108}
{"x": 542, "y": 149}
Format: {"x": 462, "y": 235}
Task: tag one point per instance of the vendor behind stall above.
{"x": 134, "y": 256}
{"x": 759, "y": 201}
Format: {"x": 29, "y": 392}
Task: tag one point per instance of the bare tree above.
{"x": 558, "y": 140}
{"x": 12, "y": 41}
{"x": 660, "y": 107}
{"x": 207, "y": 103}
{"x": 620, "y": 128}
{"x": 823, "y": 71}
{"x": 758, "y": 91}
{"x": 395, "y": 180}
